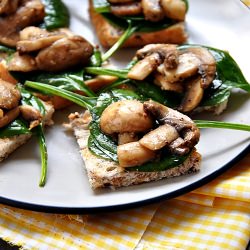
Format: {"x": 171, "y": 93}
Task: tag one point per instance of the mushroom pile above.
{"x": 10, "y": 107}
{"x": 189, "y": 71}
{"x": 153, "y": 10}
{"x": 15, "y": 15}
{"x": 54, "y": 51}
{"x": 143, "y": 130}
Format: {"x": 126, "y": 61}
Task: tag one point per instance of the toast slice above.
{"x": 109, "y": 34}
{"x": 9, "y": 145}
{"x": 104, "y": 173}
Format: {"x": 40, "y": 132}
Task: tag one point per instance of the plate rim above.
{"x": 130, "y": 205}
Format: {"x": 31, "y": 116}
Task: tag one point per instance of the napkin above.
{"x": 215, "y": 216}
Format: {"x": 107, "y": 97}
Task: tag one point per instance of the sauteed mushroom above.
{"x": 29, "y": 13}
{"x": 189, "y": 70}
{"x": 9, "y": 95}
{"x": 125, "y": 116}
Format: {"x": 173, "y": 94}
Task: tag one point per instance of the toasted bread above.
{"x": 109, "y": 34}
{"x": 104, "y": 173}
{"x": 9, "y": 145}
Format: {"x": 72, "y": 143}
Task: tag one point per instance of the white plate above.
{"x": 218, "y": 23}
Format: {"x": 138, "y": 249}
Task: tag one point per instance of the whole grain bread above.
{"x": 109, "y": 34}
{"x": 103, "y": 173}
{"x": 9, "y": 145}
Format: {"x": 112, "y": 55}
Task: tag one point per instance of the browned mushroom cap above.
{"x": 9, "y": 117}
{"x": 207, "y": 65}
{"x": 22, "y": 63}
{"x": 133, "y": 154}
{"x": 193, "y": 95}
{"x": 159, "y": 137}
{"x": 9, "y": 95}
{"x": 152, "y": 10}
{"x": 125, "y": 116}
{"x": 151, "y": 56}
{"x": 64, "y": 53}
{"x": 126, "y": 9}
{"x": 175, "y": 9}
{"x": 34, "y": 38}
{"x": 8, "y": 6}
{"x": 29, "y": 13}
{"x": 145, "y": 67}
{"x": 188, "y": 131}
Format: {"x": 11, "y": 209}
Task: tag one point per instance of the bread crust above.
{"x": 103, "y": 173}
{"x": 108, "y": 34}
{"x": 9, "y": 145}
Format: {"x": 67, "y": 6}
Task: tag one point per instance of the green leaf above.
{"x": 141, "y": 24}
{"x": 83, "y": 101}
{"x": 99, "y": 143}
{"x": 101, "y": 6}
{"x": 215, "y": 96}
{"x": 38, "y": 131}
{"x": 68, "y": 80}
{"x": 6, "y": 49}
{"x": 56, "y": 14}
{"x": 16, "y": 127}
{"x": 121, "y": 73}
{"x": 29, "y": 99}
{"x": 166, "y": 162}
{"x": 222, "y": 125}
{"x": 96, "y": 58}
{"x": 228, "y": 71}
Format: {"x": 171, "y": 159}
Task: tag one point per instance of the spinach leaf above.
{"x": 67, "y": 80}
{"x": 228, "y": 76}
{"x": 167, "y": 161}
{"x": 38, "y": 131}
{"x": 7, "y": 50}
{"x": 141, "y": 24}
{"x": 20, "y": 126}
{"x": 104, "y": 146}
{"x": 16, "y": 127}
{"x": 150, "y": 91}
{"x": 30, "y": 99}
{"x": 103, "y": 7}
{"x": 56, "y": 14}
{"x": 99, "y": 143}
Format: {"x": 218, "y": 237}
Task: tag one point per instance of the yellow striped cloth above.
{"x": 215, "y": 216}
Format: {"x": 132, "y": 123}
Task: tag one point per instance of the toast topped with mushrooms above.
{"x": 153, "y": 21}
{"x": 125, "y": 141}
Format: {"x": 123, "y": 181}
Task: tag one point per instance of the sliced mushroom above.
{"x": 30, "y": 113}
{"x": 162, "y": 81}
{"x": 159, "y": 137}
{"x": 22, "y": 63}
{"x": 9, "y": 95}
{"x": 125, "y": 116}
{"x": 29, "y": 13}
{"x": 207, "y": 66}
{"x": 127, "y": 137}
{"x": 121, "y": 1}
{"x": 175, "y": 9}
{"x": 8, "y": 6}
{"x": 133, "y": 154}
{"x": 100, "y": 81}
{"x": 164, "y": 50}
{"x": 9, "y": 117}
{"x": 126, "y": 9}
{"x": 188, "y": 65}
{"x": 64, "y": 53}
{"x": 145, "y": 67}
{"x": 152, "y": 10}
{"x": 186, "y": 128}
{"x": 193, "y": 96}
{"x": 34, "y": 39}
{"x": 1, "y": 113}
